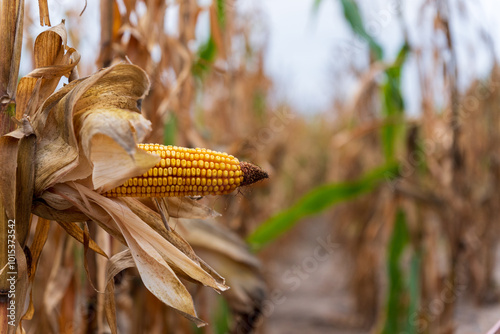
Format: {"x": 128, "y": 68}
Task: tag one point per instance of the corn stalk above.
{"x": 11, "y": 33}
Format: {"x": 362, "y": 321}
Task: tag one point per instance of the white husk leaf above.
{"x": 113, "y": 165}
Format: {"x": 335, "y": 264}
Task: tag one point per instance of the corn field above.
{"x": 145, "y": 167}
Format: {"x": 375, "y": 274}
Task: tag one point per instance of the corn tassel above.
{"x": 189, "y": 172}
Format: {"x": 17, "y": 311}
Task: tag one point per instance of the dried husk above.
{"x": 91, "y": 128}
{"x": 87, "y": 143}
{"x": 230, "y": 256}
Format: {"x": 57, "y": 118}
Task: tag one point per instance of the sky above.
{"x": 301, "y": 50}
{"x": 308, "y": 54}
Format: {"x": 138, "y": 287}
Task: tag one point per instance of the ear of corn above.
{"x": 189, "y": 172}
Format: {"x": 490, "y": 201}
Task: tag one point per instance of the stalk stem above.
{"x": 11, "y": 35}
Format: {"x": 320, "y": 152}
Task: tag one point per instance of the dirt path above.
{"x": 310, "y": 278}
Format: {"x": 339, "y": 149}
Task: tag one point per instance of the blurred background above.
{"x": 378, "y": 122}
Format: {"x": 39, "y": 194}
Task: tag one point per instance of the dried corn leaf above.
{"x": 156, "y": 258}
{"x": 157, "y": 276}
{"x": 44, "y": 12}
{"x": 72, "y": 214}
{"x": 178, "y": 254}
{"x": 209, "y": 234}
{"x": 160, "y": 279}
{"x": 103, "y": 239}
{"x": 109, "y": 124}
{"x": 162, "y": 257}
{"x": 11, "y": 36}
{"x": 41, "y": 234}
{"x": 79, "y": 201}
{"x": 147, "y": 214}
{"x": 230, "y": 256}
{"x": 59, "y": 280}
{"x": 154, "y": 221}
{"x": 39, "y": 239}
{"x": 10, "y": 198}
{"x": 53, "y": 59}
{"x": 25, "y": 183}
{"x": 76, "y": 232}
{"x": 114, "y": 265}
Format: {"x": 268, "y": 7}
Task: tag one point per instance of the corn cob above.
{"x": 189, "y": 172}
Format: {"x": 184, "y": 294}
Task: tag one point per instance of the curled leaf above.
{"x": 86, "y": 131}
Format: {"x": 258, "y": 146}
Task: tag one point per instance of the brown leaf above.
{"x": 11, "y": 36}
{"x": 76, "y": 232}
{"x": 41, "y": 234}
{"x": 115, "y": 265}
{"x": 176, "y": 252}
{"x": 153, "y": 219}
{"x": 52, "y": 61}
{"x": 155, "y": 257}
{"x": 78, "y": 201}
{"x": 44, "y": 12}
{"x": 110, "y": 306}
{"x": 58, "y": 282}
{"x": 230, "y": 256}
{"x": 41, "y": 209}
{"x": 25, "y": 184}
{"x": 208, "y": 234}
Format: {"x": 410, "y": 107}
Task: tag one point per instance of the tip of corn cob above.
{"x": 252, "y": 173}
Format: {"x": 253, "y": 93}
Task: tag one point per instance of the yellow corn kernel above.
{"x": 189, "y": 172}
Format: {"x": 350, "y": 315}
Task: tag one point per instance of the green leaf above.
{"x": 221, "y": 12}
{"x": 316, "y": 5}
{"x": 208, "y": 50}
{"x": 259, "y": 104}
{"x": 414, "y": 290}
{"x": 205, "y": 57}
{"x": 222, "y": 317}
{"x": 11, "y": 110}
{"x": 170, "y": 130}
{"x": 353, "y": 17}
{"x": 396, "y": 310}
{"x": 393, "y": 105}
{"x": 318, "y": 200}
